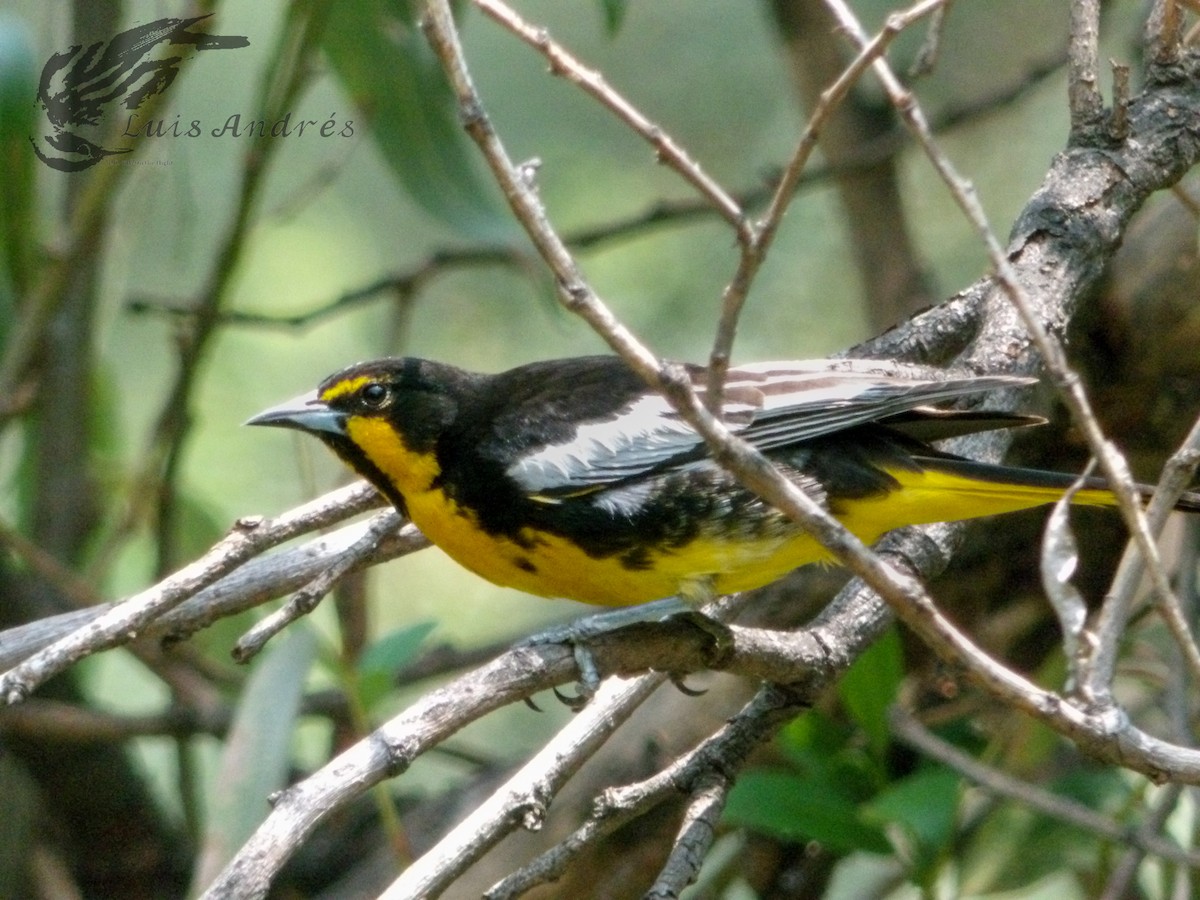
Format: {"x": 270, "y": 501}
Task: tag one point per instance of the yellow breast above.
{"x": 549, "y": 565}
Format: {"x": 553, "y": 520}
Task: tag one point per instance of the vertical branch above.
{"x": 1083, "y": 66}
{"x": 573, "y": 290}
{"x": 1164, "y": 32}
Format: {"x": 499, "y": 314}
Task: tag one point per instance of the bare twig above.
{"x": 1164, "y": 32}
{"x": 523, "y": 800}
{"x": 1118, "y": 123}
{"x": 123, "y": 622}
{"x": 909, "y": 730}
{"x": 721, "y": 754}
{"x": 931, "y": 48}
{"x": 1111, "y": 461}
{"x": 1118, "y": 603}
{"x": 695, "y": 836}
{"x": 306, "y": 599}
{"x": 754, "y": 252}
{"x": 261, "y": 579}
{"x": 1083, "y": 70}
{"x": 593, "y": 83}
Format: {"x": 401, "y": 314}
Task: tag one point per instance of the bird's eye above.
{"x": 374, "y": 394}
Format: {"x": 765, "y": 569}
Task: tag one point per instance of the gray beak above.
{"x": 305, "y": 413}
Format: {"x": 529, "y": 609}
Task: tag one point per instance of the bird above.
{"x": 573, "y": 478}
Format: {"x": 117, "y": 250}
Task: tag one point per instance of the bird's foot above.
{"x": 579, "y": 632}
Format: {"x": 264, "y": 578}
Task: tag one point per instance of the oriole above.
{"x": 572, "y": 478}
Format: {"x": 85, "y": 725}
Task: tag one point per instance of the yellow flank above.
{"x": 551, "y": 566}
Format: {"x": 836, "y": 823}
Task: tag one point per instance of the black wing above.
{"x": 615, "y": 433}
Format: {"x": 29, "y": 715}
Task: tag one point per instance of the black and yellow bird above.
{"x": 571, "y": 478}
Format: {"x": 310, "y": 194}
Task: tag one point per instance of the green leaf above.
{"x": 391, "y": 74}
{"x": 925, "y": 806}
{"x": 254, "y": 762}
{"x": 829, "y": 748}
{"x": 798, "y": 807}
{"x": 379, "y": 663}
{"x": 870, "y": 686}
{"x": 814, "y": 733}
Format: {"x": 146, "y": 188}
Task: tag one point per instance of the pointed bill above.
{"x": 305, "y": 413}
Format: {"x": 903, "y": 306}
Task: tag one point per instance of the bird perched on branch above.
{"x": 572, "y": 478}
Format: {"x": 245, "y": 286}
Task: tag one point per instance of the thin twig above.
{"x": 1118, "y": 123}
{"x": 1063, "y": 809}
{"x": 121, "y": 623}
{"x": 695, "y": 836}
{"x": 931, "y": 48}
{"x": 305, "y": 600}
{"x": 523, "y": 800}
{"x": 754, "y": 252}
{"x": 1070, "y": 388}
{"x": 724, "y": 752}
{"x": 1118, "y": 602}
{"x": 573, "y": 291}
{"x": 1164, "y": 32}
{"x": 593, "y": 83}
{"x": 258, "y": 581}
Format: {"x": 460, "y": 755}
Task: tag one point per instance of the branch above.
{"x": 591, "y": 82}
{"x": 1112, "y": 463}
{"x": 523, "y": 800}
{"x": 121, "y": 623}
{"x": 754, "y": 253}
{"x": 1083, "y": 70}
{"x": 305, "y": 600}
{"x": 699, "y": 772}
{"x": 1064, "y": 809}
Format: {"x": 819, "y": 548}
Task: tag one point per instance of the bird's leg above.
{"x": 694, "y": 596}
{"x": 580, "y": 631}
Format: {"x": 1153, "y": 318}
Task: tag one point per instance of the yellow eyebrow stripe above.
{"x": 344, "y": 387}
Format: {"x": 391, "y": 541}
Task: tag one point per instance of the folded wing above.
{"x": 770, "y": 405}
